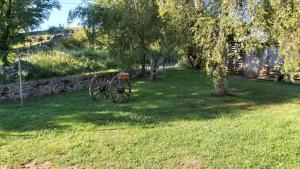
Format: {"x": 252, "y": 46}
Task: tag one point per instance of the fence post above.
{"x": 20, "y": 78}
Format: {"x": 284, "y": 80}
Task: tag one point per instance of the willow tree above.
{"x": 20, "y": 15}
{"x": 130, "y": 25}
{"x": 180, "y": 17}
{"x": 280, "y": 20}
{"x": 217, "y": 21}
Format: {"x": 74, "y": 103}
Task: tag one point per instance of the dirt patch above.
{"x": 33, "y": 164}
{"x": 77, "y": 167}
{"x": 191, "y": 164}
{"x": 7, "y": 167}
{"x": 45, "y": 165}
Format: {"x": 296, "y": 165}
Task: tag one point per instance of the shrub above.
{"x": 292, "y": 66}
{"x": 111, "y": 64}
{"x": 77, "y": 40}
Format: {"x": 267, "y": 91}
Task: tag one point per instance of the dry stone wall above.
{"x": 52, "y": 86}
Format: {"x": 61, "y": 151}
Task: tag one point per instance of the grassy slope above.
{"x": 173, "y": 123}
{"x": 62, "y": 62}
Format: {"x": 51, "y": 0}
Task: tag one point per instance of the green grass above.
{"x": 172, "y": 123}
{"x": 63, "y": 62}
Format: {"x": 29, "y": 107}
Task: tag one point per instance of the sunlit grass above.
{"x": 58, "y": 63}
{"x": 172, "y": 123}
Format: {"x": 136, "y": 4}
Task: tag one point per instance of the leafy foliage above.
{"x": 179, "y": 18}
{"x": 217, "y": 21}
{"x": 16, "y": 16}
{"x": 131, "y": 26}
{"x": 279, "y": 19}
{"x": 200, "y": 30}
{"x": 78, "y": 40}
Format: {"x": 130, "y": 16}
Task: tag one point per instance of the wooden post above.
{"x": 20, "y": 78}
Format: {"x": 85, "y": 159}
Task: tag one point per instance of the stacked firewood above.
{"x": 269, "y": 73}
{"x": 263, "y": 74}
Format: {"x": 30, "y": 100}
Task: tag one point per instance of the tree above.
{"x": 17, "y": 16}
{"x": 180, "y": 17}
{"x": 217, "y": 21}
{"x": 55, "y": 29}
{"x": 280, "y": 20}
{"x": 156, "y": 58}
{"x": 131, "y": 25}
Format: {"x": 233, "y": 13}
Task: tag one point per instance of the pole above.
{"x": 20, "y": 77}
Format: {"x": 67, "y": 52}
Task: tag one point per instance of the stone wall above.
{"x": 52, "y": 86}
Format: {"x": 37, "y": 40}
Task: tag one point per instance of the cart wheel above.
{"x": 98, "y": 88}
{"x": 120, "y": 90}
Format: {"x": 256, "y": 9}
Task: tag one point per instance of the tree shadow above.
{"x": 180, "y": 95}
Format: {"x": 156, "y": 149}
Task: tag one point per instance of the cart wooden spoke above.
{"x": 118, "y": 89}
{"x": 99, "y": 88}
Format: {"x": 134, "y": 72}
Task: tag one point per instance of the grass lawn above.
{"x": 172, "y": 123}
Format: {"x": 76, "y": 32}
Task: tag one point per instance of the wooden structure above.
{"x": 118, "y": 89}
{"x": 269, "y": 73}
{"x": 235, "y": 62}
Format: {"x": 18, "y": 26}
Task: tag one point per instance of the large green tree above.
{"x": 180, "y": 17}
{"x": 131, "y": 25}
{"x": 217, "y": 21}
{"x": 223, "y": 20}
{"x": 20, "y": 15}
{"x": 280, "y": 20}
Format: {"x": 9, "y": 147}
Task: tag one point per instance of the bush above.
{"x": 292, "y": 66}
{"x": 77, "y": 40}
{"x": 5, "y": 79}
{"x": 111, "y": 64}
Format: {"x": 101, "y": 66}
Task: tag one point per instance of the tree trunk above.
{"x": 143, "y": 52}
{"x": 193, "y": 58}
{"x": 221, "y": 86}
{"x": 4, "y": 58}
{"x": 154, "y": 67}
{"x": 220, "y": 81}
{"x": 143, "y": 60}
{"x": 4, "y": 48}
{"x": 4, "y": 44}
{"x": 188, "y": 56}
{"x": 153, "y": 75}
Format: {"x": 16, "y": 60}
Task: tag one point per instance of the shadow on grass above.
{"x": 179, "y": 95}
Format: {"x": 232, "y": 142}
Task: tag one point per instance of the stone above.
{"x": 53, "y": 86}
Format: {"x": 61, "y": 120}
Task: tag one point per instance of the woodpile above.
{"x": 269, "y": 73}
{"x": 235, "y": 65}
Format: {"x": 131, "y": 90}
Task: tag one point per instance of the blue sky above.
{"x": 60, "y": 16}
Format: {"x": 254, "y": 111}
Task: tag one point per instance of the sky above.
{"x": 60, "y": 17}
